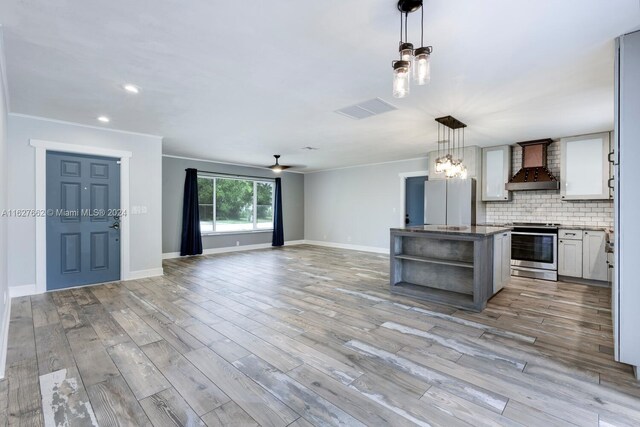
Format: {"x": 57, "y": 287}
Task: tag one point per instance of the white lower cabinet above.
{"x": 582, "y": 254}
{"x": 570, "y": 258}
{"x": 501, "y": 260}
{"x": 594, "y": 256}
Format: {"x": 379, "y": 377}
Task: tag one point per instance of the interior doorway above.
{"x": 412, "y": 202}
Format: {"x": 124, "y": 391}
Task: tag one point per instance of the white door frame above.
{"x": 403, "y": 191}
{"x": 42, "y": 147}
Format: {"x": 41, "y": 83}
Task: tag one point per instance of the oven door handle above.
{"x": 533, "y": 234}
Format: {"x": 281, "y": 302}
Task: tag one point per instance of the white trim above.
{"x": 22, "y": 291}
{"x": 403, "y": 191}
{"x": 143, "y": 274}
{"x": 231, "y": 233}
{"x": 65, "y": 122}
{"x": 41, "y": 148}
{"x": 211, "y": 251}
{"x": 367, "y": 164}
{"x": 4, "y": 339}
{"x": 81, "y": 149}
{"x": 3, "y": 70}
{"x": 194, "y": 159}
{"x": 373, "y": 249}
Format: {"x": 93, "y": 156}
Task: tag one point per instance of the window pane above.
{"x": 265, "y": 204}
{"x": 205, "y": 199}
{"x": 234, "y": 205}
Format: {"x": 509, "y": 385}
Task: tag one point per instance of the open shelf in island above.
{"x": 447, "y": 266}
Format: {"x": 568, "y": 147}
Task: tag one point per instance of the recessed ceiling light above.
{"x": 131, "y": 88}
{"x": 104, "y": 119}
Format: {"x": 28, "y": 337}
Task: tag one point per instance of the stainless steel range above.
{"x": 534, "y": 251}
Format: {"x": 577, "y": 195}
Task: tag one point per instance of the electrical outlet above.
{"x": 348, "y": 238}
{"x": 237, "y": 243}
{"x": 324, "y": 237}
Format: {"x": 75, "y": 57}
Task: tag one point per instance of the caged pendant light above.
{"x": 414, "y": 63}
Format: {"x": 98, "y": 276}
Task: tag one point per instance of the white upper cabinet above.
{"x": 496, "y": 168}
{"x": 585, "y": 167}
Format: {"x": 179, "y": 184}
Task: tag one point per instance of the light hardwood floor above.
{"x": 310, "y": 336}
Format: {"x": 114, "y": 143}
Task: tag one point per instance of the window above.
{"x": 235, "y": 204}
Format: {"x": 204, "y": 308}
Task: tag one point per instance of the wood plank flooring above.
{"x": 306, "y": 335}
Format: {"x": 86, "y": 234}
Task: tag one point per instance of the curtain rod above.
{"x": 236, "y": 175}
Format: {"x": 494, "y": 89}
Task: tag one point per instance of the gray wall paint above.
{"x": 356, "y": 206}
{"x": 145, "y": 189}
{"x": 173, "y": 191}
{"x": 4, "y": 183}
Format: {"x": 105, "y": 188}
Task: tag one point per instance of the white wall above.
{"x": 4, "y": 297}
{"x": 355, "y": 206}
{"x": 145, "y": 190}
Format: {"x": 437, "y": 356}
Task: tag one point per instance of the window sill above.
{"x": 228, "y": 233}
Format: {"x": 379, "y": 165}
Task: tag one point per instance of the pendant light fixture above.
{"x": 451, "y": 144}
{"x": 416, "y": 62}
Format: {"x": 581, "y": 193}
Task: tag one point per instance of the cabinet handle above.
{"x": 609, "y": 183}
{"x": 609, "y": 157}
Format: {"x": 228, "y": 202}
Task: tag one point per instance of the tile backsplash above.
{"x": 546, "y": 205}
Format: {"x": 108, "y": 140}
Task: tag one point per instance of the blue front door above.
{"x": 414, "y": 197}
{"x": 83, "y": 203}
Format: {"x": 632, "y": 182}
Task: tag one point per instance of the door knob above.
{"x": 115, "y": 226}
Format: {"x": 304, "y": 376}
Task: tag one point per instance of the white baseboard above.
{"x": 172, "y": 255}
{"x": 4, "y": 339}
{"x": 22, "y": 291}
{"x": 373, "y": 249}
{"x": 143, "y": 274}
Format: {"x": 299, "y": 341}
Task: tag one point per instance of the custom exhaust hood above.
{"x": 534, "y": 174}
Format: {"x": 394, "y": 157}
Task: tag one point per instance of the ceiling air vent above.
{"x": 365, "y": 109}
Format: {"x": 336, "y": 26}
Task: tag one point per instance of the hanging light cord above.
{"x": 400, "y": 27}
{"x": 406, "y": 26}
{"x": 422, "y": 27}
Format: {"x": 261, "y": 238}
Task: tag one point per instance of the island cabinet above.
{"x": 449, "y": 265}
{"x": 501, "y": 260}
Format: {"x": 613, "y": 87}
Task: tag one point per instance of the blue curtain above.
{"x": 278, "y": 229}
{"x": 191, "y": 237}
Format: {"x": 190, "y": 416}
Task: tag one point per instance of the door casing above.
{"x": 41, "y": 147}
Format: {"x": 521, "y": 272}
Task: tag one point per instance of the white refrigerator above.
{"x": 450, "y": 202}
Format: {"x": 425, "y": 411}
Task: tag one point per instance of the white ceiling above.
{"x": 239, "y": 85}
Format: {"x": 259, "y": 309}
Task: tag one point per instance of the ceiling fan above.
{"x": 277, "y": 168}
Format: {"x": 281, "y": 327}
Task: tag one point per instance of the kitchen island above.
{"x": 461, "y": 266}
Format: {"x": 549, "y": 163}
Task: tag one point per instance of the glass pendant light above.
{"x": 422, "y": 59}
{"x": 422, "y": 66}
{"x": 416, "y": 61}
{"x": 401, "y": 71}
{"x": 451, "y": 141}
{"x": 406, "y": 53}
{"x": 463, "y": 172}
